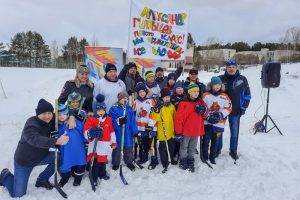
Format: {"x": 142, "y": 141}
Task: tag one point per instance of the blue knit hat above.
{"x": 215, "y": 80}
{"x": 172, "y": 75}
{"x": 99, "y": 104}
{"x": 140, "y": 86}
{"x": 63, "y": 109}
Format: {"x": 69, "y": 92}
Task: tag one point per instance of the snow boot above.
{"x": 44, "y": 184}
{"x": 102, "y": 171}
{"x": 64, "y": 178}
{"x": 131, "y": 166}
{"x": 183, "y": 163}
{"x": 212, "y": 160}
{"x": 77, "y": 180}
{"x": 191, "y": 164}
{"x": 218, "y": 153}
{"x": 233, "y": 155}
{"x": 4, "y": 173}
{"x": 115, "y": 167}
{"x": 153, "y": 163}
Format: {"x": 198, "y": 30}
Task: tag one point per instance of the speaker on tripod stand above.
{"x": 270, "y": 78}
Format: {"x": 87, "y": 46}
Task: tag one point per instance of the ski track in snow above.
{"x": 268, "y": 168}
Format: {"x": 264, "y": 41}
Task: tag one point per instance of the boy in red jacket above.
{"x": 189, "y": 125}
{"x": 99, "y": 127}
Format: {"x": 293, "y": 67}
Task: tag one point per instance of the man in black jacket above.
{"x": 238, "y": 90}
{"x": 162, "y": 80}
{"x": 33, "y": 150}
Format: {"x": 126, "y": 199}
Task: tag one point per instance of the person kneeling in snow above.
{"x": 189, "y": 125}
{"x": 32, "y": 151}
{"x": 73, "y": 154}
{"x": 219, "y": 105}
{"x": 128, "y": 120}
{"x": 99, "y": 128}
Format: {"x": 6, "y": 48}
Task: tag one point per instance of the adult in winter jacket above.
{"x": 193, "y": 79}
{"x": 238, "y": 90}
{"x": 82, "y": 85}
{"x": 109, "y": 86}
{"x": 33, "y": 150}
{"x": 129, "y": 75}
{"x": 161, "y": 79}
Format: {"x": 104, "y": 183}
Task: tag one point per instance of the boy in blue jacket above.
{"x": 116, "y": 113}
{"x": 73, "y": 155}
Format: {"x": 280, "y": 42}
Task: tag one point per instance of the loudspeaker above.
{"x": 270, "y": 75}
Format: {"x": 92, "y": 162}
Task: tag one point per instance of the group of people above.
{"x": 137, "y": 119}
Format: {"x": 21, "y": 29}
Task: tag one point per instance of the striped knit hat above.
{"x": 74, "y": 96}
{"x": 63, "y": 109}
{"x": 148, "y": 74}
{"x": 192, "y": 87}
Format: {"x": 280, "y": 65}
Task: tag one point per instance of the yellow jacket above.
{"x": 168, "y": 115}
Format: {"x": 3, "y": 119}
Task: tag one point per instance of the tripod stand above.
{"x": 265, "y": 119}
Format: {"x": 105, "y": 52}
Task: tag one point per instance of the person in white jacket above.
{"x": 109, "y": 86}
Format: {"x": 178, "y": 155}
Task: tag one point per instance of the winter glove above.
{"x": 157, "y": 107}
{"x": 81, "y": 115}
{"x": 217, "y": 115}
{"x": 200, "y": 109}
{"x": 95, "y": 132}
{"x": 153, "y": 134}
{"x": 148, "y": 129}
{"x": 179, "y": 137}
{"x": 242, "y": 112}
{"x": 122, "y": 120}
{"x": 212, "y": 119}
{"x": 130, "y": 92}
{"x": 54, "y": 134}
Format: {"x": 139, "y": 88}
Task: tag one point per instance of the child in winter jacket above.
{"x": 171, "y": 80}
{"x": 74, "y": 103}
{"x": 219, "y": 107}
{"x": 189, "y": 125}
{"x": 99, "y": 129}
{"x": 164, "y": 114}
{"x": 142, "y": 107}
{"x": 152, "y": 87}
{"x": 127, "y": 121}
{"x": 73, "y": 155}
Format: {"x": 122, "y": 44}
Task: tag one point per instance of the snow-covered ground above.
{"x": 268, "y": 168}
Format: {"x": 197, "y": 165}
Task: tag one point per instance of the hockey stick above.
{"x": 166, "y": 142}
{"x": 122, "y": 146}
{"x": 201, "y": 154}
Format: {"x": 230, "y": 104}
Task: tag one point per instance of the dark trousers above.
{"x": 162, "y": 148}
{"x": 98, "y": 170}
{"x": 127, "y": 156}
{"x": 210, "y": 137}
{"x": 176, "y": 150}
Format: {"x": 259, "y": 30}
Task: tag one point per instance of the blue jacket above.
{"x": 131, "y": 129}
{"x": 73, "y": 153}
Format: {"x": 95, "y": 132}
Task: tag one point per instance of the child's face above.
{"x": 62, "y": 117}
{"x": 167, "y": 99}
{"x": 100, "y": 112}
{"x": 194, "y": 94}
{"x": 171, "y": 82}
{"x": 179, "y": 91}
{"x": 125, "y": 99}
{"x": 142, "y": 93}
{"x": 75, "y": 104}
{"x": 216, "y": 87}
{"x": 150, "y": 79}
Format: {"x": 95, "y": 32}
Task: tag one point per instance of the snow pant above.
{"x": 78, "y": 172}
{"x": 98, "y": 170}
{"x": 144, "y": 148}
{"x": 127, "y": 156}
{"x": 176, "y": 150}
{"x": 234, "y": 125}
{"x": 210, "y": 137}
{"x": 187, "y": 147}
{"x": 163, "y": 153}
{"x": 17, "y": 184}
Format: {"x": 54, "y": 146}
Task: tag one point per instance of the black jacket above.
{"x": 162, "y": 81}
{"x": 238, "y": 90}
{"x": 84, "y": 90}
{"x": 35, "y": 142}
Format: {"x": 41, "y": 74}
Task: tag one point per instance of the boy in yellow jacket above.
{"x": 163, "y": 113}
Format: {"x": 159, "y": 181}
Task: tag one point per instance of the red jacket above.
{"x": 187, "y": 121}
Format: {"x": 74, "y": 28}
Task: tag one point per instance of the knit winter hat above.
{"x": 192, "y": 87}
{"x": 178, "y": 84}
{"x": 74, "y": 96}
{"x": 99, "y": 104}
{"x": 131, "y": 65}
{"x": 140, "y": 86}
{"x": 149, "y": 74}
{"x": 164, "y": 92}
{"x": 122, "y": 95}
{"x": 110, "y": 67}
{"x": 82, "y": 69}
{"x": 193, "y": 71}
{"x": 172, "y": 76}
{"x": 63, "y": 109}
{"x": 215, "y": 80}
{"x": 159, "y": 69}
{"x": 43, "y": 106}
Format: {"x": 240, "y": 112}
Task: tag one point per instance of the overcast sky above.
{"x": 229, "y": 21}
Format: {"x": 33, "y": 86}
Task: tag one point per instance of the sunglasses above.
{"x": 231, "y": 62}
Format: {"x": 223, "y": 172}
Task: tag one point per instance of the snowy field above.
{"x": 268, "y": 168}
